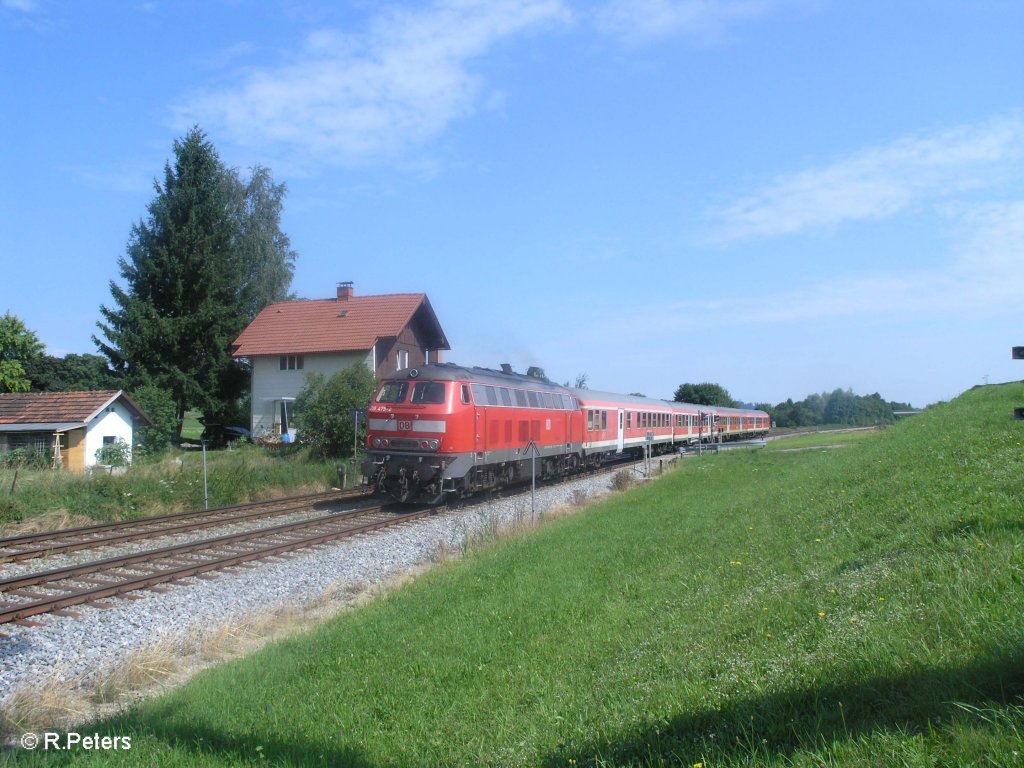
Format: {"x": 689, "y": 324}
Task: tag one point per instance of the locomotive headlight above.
{"x": 434, "y": 444}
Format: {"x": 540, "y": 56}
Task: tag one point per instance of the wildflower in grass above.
{"x": 821, "y": 614}
{"x": 735, "y": 562}
{"x": 853, "y": 619}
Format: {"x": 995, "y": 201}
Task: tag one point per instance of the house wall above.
{"x": 115, "y": 422}
{"x": 410, "y": 342}
{"x": 270, "y": 384}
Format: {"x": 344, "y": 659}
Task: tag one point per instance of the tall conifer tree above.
{"x": 178, "y": 312}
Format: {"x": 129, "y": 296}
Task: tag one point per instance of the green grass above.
{"x": 170, "y": 482}
{"x": 857, "y": 607}
{"x": 818, "y": 440}
{"x": 191, "y": 427}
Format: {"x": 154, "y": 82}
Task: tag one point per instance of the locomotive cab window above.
{"x": 465, "y": 394}
{"x": 393, "y": 392}
{"x": 428, "y": 392}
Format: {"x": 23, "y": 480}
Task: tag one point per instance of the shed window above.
{"x": 291, "y": 362}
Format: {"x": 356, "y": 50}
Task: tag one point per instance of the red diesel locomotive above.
{"x": 446, "y": 431}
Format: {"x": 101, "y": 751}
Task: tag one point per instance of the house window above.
{"x": 403, "y": 359}
{"x": 291, "y": 362}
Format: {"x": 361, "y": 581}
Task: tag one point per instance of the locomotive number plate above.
{"x": 405, "y": 425}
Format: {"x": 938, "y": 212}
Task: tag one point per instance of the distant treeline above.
{"x": 838, "y": 407}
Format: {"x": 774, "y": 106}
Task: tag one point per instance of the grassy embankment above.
{"x": 861, "y": 606}
{"x": 171, "y": 483}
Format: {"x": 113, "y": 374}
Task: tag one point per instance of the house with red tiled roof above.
{"x": 289, "y": 339}
{"x": 67, "y": 427}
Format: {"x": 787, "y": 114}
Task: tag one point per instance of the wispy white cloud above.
{"x": 24, "y": 6}
{"x": 982, "y": 273}
{"x": 642, "y": 21}
{"x": 878, "y": 182}
{"x": 349, "y": 98}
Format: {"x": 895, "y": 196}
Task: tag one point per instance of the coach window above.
{"x": 629, "y": 421}
{"x": 590, "y": 421}
{"x": 604, "y": 419}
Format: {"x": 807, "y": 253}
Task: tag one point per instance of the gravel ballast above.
{"x": 81, "y": 653}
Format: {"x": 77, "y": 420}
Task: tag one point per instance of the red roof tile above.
{"x": 329, "y": 325}
{"x": 53, "y": 407}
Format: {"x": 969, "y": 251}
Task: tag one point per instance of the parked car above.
{"x": 219, "y": 435}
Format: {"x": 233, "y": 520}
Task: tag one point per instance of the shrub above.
{"x": 25, "y": 458}
{"x": 622, "y": 480}
{"x": 115, "y": 454}
{"x": 323, "y": 410}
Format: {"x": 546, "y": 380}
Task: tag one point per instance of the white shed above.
{"x": 68, "y": 427}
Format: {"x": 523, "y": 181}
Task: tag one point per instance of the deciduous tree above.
{"x": 71, "y": 373}
{"x": 18, "y": 346}
{"x": 704, "y": 394}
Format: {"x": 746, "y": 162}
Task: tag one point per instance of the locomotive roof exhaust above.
{"x": 506, "y": 368}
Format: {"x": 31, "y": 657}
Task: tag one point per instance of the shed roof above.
{"x": 50, "y": 410}
{"x": 337, "y": 325}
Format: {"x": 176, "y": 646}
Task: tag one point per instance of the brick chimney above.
{"x": 345, "y": 291}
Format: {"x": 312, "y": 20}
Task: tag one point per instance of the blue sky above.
{"x": 782, "y": 196}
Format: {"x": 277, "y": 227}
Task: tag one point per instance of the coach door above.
{"x": 622, "y": 433}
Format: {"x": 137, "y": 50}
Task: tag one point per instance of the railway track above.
{"x": 45, "y": 543}
{"x": 57, "y": 590}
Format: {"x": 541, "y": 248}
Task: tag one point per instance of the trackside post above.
{"x": 1017, "y": 353}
